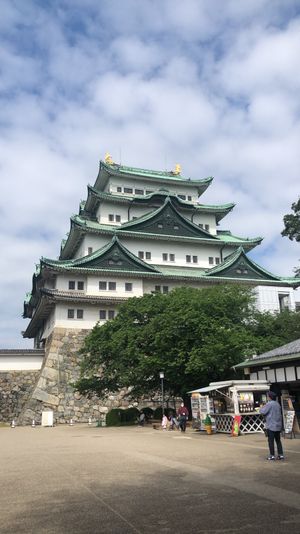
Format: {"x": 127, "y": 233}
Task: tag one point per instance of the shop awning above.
{"x": 209, "y": 388}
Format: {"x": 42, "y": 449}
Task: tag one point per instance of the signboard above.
{"x": 288, "y": 414}
{"x": 195, "y": 406}
{"x": 236, "y": 425}
{"x": 288, "y": 421}
{"x": 47, "y": 418}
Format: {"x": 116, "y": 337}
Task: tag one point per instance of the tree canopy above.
{"x": 194, "y": 336}
{"x": 292, "y": 226}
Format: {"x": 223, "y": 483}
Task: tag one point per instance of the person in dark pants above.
{"x": 273, "y": 415}
{"x": 183, "y": 415}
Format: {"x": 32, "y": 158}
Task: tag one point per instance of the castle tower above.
{"x": 139, "y": 231}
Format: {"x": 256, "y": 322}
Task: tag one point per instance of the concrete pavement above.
{"x": 84, "y": 479}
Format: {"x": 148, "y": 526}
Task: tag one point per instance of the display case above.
{"x": 228, "y": 402}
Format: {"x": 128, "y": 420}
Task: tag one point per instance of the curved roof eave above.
{"x": 106, "y": 170}
{"x": 95, "y": 198}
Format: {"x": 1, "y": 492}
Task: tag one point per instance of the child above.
{"x": 164, "y": 422}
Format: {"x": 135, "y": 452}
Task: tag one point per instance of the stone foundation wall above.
{"x": 16, "y": 388}
{"x": 53, "y": 389}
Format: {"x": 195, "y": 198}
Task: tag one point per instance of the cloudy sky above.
{"x": 211, "y": 84}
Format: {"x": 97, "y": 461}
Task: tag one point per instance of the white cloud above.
{"x": 211, "y": 85}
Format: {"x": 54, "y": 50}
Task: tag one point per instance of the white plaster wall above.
{"x": 205, "y": 218}
{"x": 267, "y": 298}
{"x": 20, "y": 363}
{"x": 180, "y": 250}
{"x": 149, "y": 285}
{"x": 116, "y": 209}
{"x": 62, "y": 283}
{"x": 151, "y": 186}
{"x": 90, "y": 314}
{"x": 49, "y": 325}
{"x": 93, "y": 286}
{"x": 93, "y": 241}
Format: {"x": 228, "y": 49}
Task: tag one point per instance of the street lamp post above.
{"x": 162, "y": 376}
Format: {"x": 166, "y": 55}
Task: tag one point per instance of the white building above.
{"x": 142, "y": 231}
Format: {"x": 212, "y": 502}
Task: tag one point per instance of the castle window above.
{"x": 111, "y": 314}
{"x": 141, "y": 254}
{"x": 119, "y": 189}
{"x": 149, "y": 191}
{"x": 79, "y": 314}
{"x": 183, "y": 197}
{"x": 71, "y": 314}
{"x": 118, "y": 218}
{"x": 112, "y": 286}
{"x": 168, "y": 257}
{"x": 71, "y": 284}
{"x": 157, "y": 289}
{"x": 195, "y": 259}
{"x": 90, "y": 250}
{"x": 201, "y": 225}
{"x": 128, "y": 190}
{"x": 102, "y": 286}
{"x": 189, "y": 198}
{"x": 102, "y": 315}
{"x": 217, "y": 261}
{"x": 165, "y": 289}
{"x": 148, "y": 255}
{"x": 210, "y": 260}
{"x": 159, "y": 226}
{"x": 111, "y": 217}
{"x": 80, "y": 286}
{"x": 128, "y": 286}
{"x": 188, "y": 259}
{"x": 176, "y": 227}
{"x": 207, "y": 227}
{"x": 139, "y": 191}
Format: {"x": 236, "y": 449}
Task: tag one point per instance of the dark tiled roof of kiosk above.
{"x": 289, "y": 351}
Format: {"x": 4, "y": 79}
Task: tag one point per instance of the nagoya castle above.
{"x": 139, "y": 231}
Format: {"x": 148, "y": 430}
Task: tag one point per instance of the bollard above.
{"x": 13, "y": 424}
{"x": 71, "y": 422}
{"x": 90, "y": 421}
{"x": 33, "y": 423}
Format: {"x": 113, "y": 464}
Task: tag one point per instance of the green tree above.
{"x": 292, "y": 226}
{"x": 273, "y": 330}
{"x": 194, "y": 336}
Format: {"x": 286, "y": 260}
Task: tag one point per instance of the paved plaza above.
{"x": 80, "y": 479}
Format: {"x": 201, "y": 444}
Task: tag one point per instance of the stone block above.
{"x": 45, "y": 397}
{"x": 50, "y": 373}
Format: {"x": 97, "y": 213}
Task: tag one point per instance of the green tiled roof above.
{"x": 241, "y": 265}
{"x": 227, "y": 237}
{"x": 95, "y": 197}
{"x": 80, "y": 226}
{"x": 106, "y": 170}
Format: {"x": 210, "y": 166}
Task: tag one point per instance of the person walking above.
{"x": 183, "y": 415}
{"x": 273, "y": 415}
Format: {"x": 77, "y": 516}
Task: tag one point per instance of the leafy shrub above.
{"x": 148, "y": 412}
{"x": 157, "y": 414}
{"x": 129, "y": 415}
{"x": 114, "y": 417}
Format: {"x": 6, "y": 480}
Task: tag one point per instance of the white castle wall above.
{"x": 268, "y": 298}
